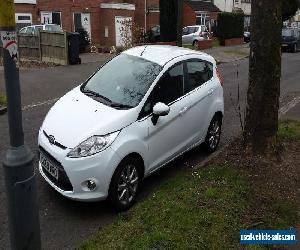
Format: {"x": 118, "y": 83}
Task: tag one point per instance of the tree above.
{"x": 261, "y": 123}
{"x": 289, "y": 8}
{"x": 171, "y": 20}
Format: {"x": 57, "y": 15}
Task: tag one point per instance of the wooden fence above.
{"x": 45, "y": 46}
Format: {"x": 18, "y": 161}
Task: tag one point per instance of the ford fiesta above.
{"x": 138, "y": 112}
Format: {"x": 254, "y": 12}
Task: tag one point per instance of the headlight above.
{"x": 93, "y": 145}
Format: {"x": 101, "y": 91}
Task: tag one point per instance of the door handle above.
{"x": 210, "y": 92}
{"x": 181, "y": 112}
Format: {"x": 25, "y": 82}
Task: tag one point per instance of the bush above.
{"x": 84, "y": 40}
{"x": 230, "y": 25}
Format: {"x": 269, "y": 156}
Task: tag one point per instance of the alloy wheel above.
{"x": 128, "y": 184}
{"x": 214, "y": 134}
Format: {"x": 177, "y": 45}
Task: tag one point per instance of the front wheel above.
{"x": 125, "y": 184}
{"x": 213, "y": 136}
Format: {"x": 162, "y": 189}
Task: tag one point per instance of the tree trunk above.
{"x": 179, "y": 22}
{"x": 261, "y": 122}
{"x": 168, "y": 20}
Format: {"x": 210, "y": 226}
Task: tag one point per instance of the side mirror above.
{"x": 159, "y": 109}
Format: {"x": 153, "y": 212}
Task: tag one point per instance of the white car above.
{"x": 138, "y": 112}
{"x": 192, "y": 34}
{"x": 33, "y": 29}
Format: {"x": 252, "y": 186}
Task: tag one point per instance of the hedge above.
{"x": 230, "y": 25}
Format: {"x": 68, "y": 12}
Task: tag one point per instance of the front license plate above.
{"x": 284, "y": 45}
{"x": 48, "y": 166}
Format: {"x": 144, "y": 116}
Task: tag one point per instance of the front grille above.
{"x": 54, "y": 142}
{"x": 63, "y": 181}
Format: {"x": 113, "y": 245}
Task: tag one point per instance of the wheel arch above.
{"x": 134, "y": 155}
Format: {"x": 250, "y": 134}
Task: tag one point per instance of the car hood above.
{"x": 76, "y": 117}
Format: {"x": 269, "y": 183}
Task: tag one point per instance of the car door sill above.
{"x": 174, "y": 158}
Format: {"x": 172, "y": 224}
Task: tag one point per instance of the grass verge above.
{"x": 2, "y": 100}
{"x": 206, "y": 208}
{"x": 189, "y": 211}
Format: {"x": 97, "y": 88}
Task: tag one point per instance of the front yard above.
{"x": 205, "y": 208}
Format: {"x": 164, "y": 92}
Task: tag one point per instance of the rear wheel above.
{"x": 125, "y": 184}
{"x": 195, "y": 44}
{"x": 213, "y": 136}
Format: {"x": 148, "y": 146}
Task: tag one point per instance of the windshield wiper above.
{"x": 120, "y": 106}
{"x": 97, "y": 95}
{"x": 106, "y": 99}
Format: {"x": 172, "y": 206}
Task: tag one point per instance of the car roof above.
{"x": 162, "y": 54}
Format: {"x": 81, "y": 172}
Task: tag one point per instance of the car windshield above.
{"x": 287, "y": 32}
{"x": 122, "y": 82}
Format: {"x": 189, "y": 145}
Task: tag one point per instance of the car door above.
{"x": 195, "y": 35}
{"x": 199, "y": 88}
{"x": 165, "y": 139}
{"x": 191, "y": 36}
{"x": 185, "y": 33}
{"x": 188, "y": 37}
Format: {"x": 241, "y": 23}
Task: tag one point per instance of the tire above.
{"x": 294, "y": 50}
{"x": 125, "y": 184}
{"x": 213, "y": 135}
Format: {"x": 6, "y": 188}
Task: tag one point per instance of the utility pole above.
{"x": 20, "y": 180}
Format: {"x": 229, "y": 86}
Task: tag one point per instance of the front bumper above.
{"x": 73, "y": 173}
{"x": 287, "y": 46}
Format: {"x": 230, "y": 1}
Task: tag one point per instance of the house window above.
{"x": 51, "y": 18}
{"x": 202, "y": 18}
{"x": 23, "y": 20}
{"x": 247, "y": 20}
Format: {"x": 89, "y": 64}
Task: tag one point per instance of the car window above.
{"x": 55, "y": 28}
{"x": 23, "y": 30}
{"x": 124, "y": 80}
{"x": 198, "y": 72}
{"x": 192, "y": 30}
{"x": 185, "y": 31}
{"x": 30, "y": 30}
{"x": 48, "y": 27}
{"x": 168, "y": 89}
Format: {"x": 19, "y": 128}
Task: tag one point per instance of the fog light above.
{"x": 91, "y": 185}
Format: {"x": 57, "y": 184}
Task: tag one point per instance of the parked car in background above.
{"x": 291, "y": 39}
{"x": 247, "y": 36}
{"x": 153, "y": 35}
{"x": 141, "y": 110}
{"x": 192, "y": 34}
{"x": 33, "y": 29}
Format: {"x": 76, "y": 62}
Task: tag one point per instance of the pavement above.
{"x": 229, "y": 54}
{"x": 65, "y": 223}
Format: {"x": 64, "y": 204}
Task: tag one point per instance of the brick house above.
{"x": 25, "y": 12}
{"x": 102, "y": 19}
{"x": 200, "y": 13}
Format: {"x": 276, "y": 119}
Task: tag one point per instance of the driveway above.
{"x": 65, "y": 223}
